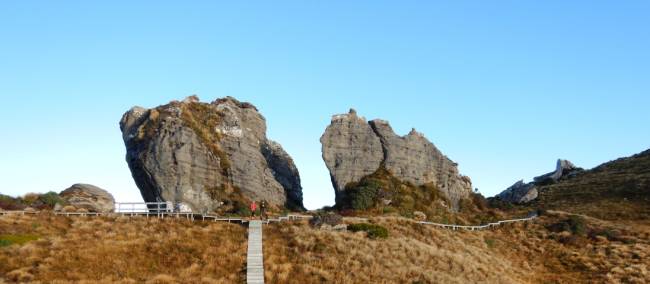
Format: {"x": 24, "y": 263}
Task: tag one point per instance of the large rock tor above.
{"x": 204, "y": 154}
{"x": 354, "y": 148}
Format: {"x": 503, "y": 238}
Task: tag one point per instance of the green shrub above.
{"x": 577, "y": 225}
{"x": 574, "y": 224}
{"x": 51, "y": 198}
{"x": 388, "y": 210}
{"x": 6, "y": 240}
{"x": 10, "y": 203}
{"x": 243, "y": 211}
{"x": 374, "y": 231}
{"x": 363, "y": 197}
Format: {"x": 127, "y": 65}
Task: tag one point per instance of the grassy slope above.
{"x": 110, "y": 250}
{"x": 615, "y": 190}
{"x": 523, "y": 253}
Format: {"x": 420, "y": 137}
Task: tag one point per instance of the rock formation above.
{"x": 522, "y": 192}
{"x": 519, "y": 192}
{"x": 88, "y": 197}
{"x": 354, "y": 148}
{"x": 563, "y": 168}
{"x": 206, "y": 154}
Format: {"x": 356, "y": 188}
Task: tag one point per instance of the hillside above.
{"x": 57, "y": 249}
{"x": 615, "y": 190}
{"x": 557, "y": 248}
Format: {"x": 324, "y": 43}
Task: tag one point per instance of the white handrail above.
{"x": 162, "y": 213}
{"x": 478, "y": 227}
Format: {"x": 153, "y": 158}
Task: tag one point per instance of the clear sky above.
{"x": 504, "y": 88}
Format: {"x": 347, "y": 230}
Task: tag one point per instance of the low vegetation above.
{"x": 57, "y": 249}
{"x": 520, "y": 253}
{"x": 617, "y": 190}
{"x": 44, "y": 201}
{"x": 374, "y": 231}
{"x": 381, "y": 193}
{"x": 203, "y": 119}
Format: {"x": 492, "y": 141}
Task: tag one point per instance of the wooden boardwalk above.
{"x": 255, "y": 256}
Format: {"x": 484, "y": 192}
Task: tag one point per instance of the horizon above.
{"x": 502, "y": 97}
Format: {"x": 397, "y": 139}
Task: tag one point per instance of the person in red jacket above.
{"x": 253, "y": 208}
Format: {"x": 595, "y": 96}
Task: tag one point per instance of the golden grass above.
{"x": 121, "y": 250}
{"x": 110, "y": 250}
{"x": 521, "y": 253}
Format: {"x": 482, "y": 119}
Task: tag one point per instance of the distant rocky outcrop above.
{"x": 88, "y": 197}
{"x": 207, "y": 155}
{"x": 615, "y": 190}
{"x": 522, "y": 192}
{"x": 563, "y": 168}
{"x": 519, "y": 192}
{"x": 354, "y": 148}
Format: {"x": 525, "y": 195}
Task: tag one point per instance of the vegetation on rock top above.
{"x": 383, "y": 193}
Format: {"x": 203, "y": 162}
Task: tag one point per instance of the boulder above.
{"x": 89, "y": 197}
{"x": 340, "y": 227}
{"x": 419, "y": 216}
{"x": 354, "y": 148}
{"x": 519, "y": 192}
{"x": 331, "y": 219}
{"x": 208, "y": 154}
{"x": 69, "y": 209}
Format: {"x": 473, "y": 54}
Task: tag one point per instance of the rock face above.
{"x": 519, "y": 192}
{"x": 354, "y": 148}
{"x": 203, "y": 154}
{"x": 351, "y": 150}
{"x": 89, "y": 197}
{"x": 563, "y": 168}
{"x": 522, "y": 192}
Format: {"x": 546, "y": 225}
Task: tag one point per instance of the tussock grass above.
{"x": 121, "y": 250}
{"x": 519, "y": 253}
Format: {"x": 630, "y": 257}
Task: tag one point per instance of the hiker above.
{"x": 253, "y": 208}
{"x": 263, "y": 210}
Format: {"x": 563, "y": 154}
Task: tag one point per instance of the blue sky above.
{"x": 504, "y": 88}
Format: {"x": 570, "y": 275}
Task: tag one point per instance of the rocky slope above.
{"x": 521, "y": 192}
{"x": 354, "y": 148}
{"x": 616, "y": 190}
{"x": 210, "y": 156}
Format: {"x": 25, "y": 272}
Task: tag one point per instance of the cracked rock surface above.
{"x": 203, "y": 154}
{"x": 354, "y": 148}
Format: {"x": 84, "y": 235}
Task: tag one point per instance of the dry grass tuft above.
{"x": 121, "y": 250}
{"x": 520, "y": 253}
